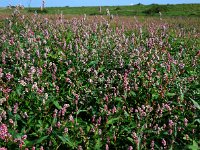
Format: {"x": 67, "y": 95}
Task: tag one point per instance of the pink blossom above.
{"x": 114, "y": 110}
{"x": 24, "y": 137}
{"x": 171, "y": 123}
{"x": 185, "y": 122}
{"x": 41, "y": 148}
{"x": 71, "y": 118}
{"x": 33, "y": 148}
{"x": 68, "y": 80}
{"x": 107, "y": 147}
{"x": 55, "y": 113}
{"x": 11, "y": 121}
{"x": 93, "y": 119}
{"x": 66, "y": 130}
{"x": 126, "y": 81}
{"x": 152, "y": 143}
{"x": 3, "y": 131}
{"x": 2, "y": 100}
{"x": 15, "y": 108}
{"x": 58, "y": 124}
{"x": 22, "y": 82}
{"x": 40, "y": 90}
{"x": 99, "y": 121}
{"x": 9, "y": 76}
{"x": 164, "y": 142}
{"x": 170, "y": 131}
{"x": 1, "y": 72}
{"x": 39, "y": 71}
{"x": 130, "y": 148}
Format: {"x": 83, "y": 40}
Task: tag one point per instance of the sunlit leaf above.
{"x": 57, "y": 104}
{"x": 98, "y": 145}
{"x": 194, "y": 146}
{"x": 195, "y": 104}
{"x": 111, "y": 121}
{"x": 65, "y": 139}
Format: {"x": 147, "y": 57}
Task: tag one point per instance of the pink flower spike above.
{"x": 3, "y": 131}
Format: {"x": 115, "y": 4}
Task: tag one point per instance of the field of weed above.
{"x": 99, "y": 83}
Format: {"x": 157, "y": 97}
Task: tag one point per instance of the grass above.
{"x": 172, "y": 10}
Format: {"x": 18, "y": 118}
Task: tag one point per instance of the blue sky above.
{"x": 49, "y": 3}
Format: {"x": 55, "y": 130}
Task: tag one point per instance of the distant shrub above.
{"x": 156, "y": 9}
{"x": 118, "y": 8}
{"x": 95, "y": 13}
{"x": 194, "y": 14}
{"x": 39, "y": 11}
{"x": 139, "y": 4}
{"x": 153, "y": 4}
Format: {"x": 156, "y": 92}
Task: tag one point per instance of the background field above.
{"x": 141, "y": 10}
{"x": 76, "y": 81}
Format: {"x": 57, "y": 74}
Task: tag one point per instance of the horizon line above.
{"x": 105, "y": 5}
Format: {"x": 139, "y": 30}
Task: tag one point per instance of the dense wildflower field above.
{"x": 96, "y": 83}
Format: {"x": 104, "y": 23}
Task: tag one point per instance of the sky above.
{"x": 71, "y": 3}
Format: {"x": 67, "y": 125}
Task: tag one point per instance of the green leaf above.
{"x": 88, "y": 128}
{"x": 195, "y": 104}
{"x": 155, "y": 96}
{"x": 54, "y": 121}
{"x": 92, "y": 63}
{"x": 194, "y": 146}
{"x": 18, "y": 117}
{"x": 133, "y": 93}
{"x": 40, "y": 122}
{"x": 126, "y": 114}
{"x": 65, "y": 139}
{"x": 119, "y": 99}
{"x": 18, "y": 136}
{"x": 170, "y": 94}
{"x": 19, "y": 90}
{"x": 40, "y": 140}
{"x": 57, "y": 104}
{"x": 182, "y": 94}
{"x": 79, "y": 111}
{"x": 130, "y": 139}
{"x": 197, "y": 120}
{"x": 29, "y": 143}
{"x": 98, "y": 145}
{"x": 33, "y": 134}
{"x": 111, "y": 121}
{"x": 101, "y": 69}
{"x": 171, "y": 148}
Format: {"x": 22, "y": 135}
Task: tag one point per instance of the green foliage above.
{"x": 192, "y": 10}
{"x": 196, "y": 104}
{"x": 155, "y": 9}
{"x": 194, "y": 146}
{"x": 39, "y": 11}
{"x": 118, "y": 8}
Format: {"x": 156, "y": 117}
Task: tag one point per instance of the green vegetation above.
{"x": 139, "y": 9}
{"x": 156, "y": 9}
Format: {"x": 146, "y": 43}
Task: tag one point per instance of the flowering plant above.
{"x": 91, "y": 83}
